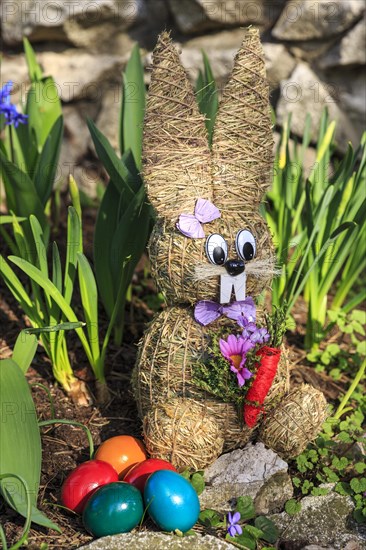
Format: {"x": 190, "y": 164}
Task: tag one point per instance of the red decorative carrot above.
{"x": 268, "y": 363}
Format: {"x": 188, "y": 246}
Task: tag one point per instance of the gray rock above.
{"x": 108, "y": 117}
{"x": 304, "y": 92}
{"x": 317, "y": 19}
{"x": 81, "y": 75}
{"x": 147, "y": 540}
{"x": 350, "y": 93}
{"x": 273, "y": 495}
{"x": 279, "y": 63}
{"x": 351, "y": 50}
{"x": 242, "y": 472}
{"x": 67, "y": 20}
{"x": 323, "y": 520}
{"x": 14, "y": 67}
{"x": 194, "y": 16}
{"x": 75, "y": 145}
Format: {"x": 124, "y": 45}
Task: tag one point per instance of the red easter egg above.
{"x": 139, "y": 474}
{"x": 82, "y": 482}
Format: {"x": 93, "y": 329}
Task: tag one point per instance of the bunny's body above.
{"x": 209, "y": 250}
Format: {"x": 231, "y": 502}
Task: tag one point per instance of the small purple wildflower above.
{"x": 10, "y": 112}
{"x": 233, "y": 527}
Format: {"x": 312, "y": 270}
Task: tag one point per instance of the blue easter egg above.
{"x": 171, "y": 501}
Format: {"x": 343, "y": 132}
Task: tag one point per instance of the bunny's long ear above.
{"x": 176, "y": 156}
{"x": 242, "y": 142}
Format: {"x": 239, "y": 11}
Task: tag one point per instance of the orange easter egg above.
{"x": 122, "y": 452}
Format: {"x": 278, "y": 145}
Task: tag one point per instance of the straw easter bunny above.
{"x": 210, "y": 250}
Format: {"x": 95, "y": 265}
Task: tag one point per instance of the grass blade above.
{"x": 24, "y": 350}
{"x": 115, "y": 167}
{"x": 43, "y": 109}
{"x": 74, "y": 245}
{"x": 56, "y": 267}
{"x": 26, "y": 199}
{"x": 47, "y": 162}
{"x": 37, "y": 276}
{"x": 89, "y": 300}
{"x": 133, "y": 106}
{"x": 34, "y": 69}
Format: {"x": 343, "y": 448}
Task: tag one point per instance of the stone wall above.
{"x": 315, "y": 52}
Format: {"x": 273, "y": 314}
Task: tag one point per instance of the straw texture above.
{"x": 175, "y": 258}
{"x": 184, "y": 433}
{"x": 243, "y": 141}
{"x": 176, "y": 156}
{"x": 182, "y": 423}
{"x": 295, "y": 422}
{"x": 172, "y": 345}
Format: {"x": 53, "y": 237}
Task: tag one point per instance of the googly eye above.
{"x": 245, "y": 245}
{"x": 216, "y": 249}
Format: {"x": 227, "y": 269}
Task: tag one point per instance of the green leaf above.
{"x": 269, "y": 530}
{"x": 34, "y": 69}
{"x": 105, "y": 228}
{"x": 49, "y": 288}
{"x": 18, "y": 291}
{"x": 255, "y": 532}
{"x": 207, "y": 96}
{"x": 198, "y": 483}
{"x": 55, "y": 328}
{"x": 245, "y": 506}
{"x": 89, "y": 300}
{"x": 47, "y": 162}
{"x": 210, "y": 518}
{"x": 24, "y": 350}
{"x": 43, "y": 109}
{"x": 20, "y": 442}
{"x": 133, "y": 107}
{"x": 360, "y": 467}
{"x": 343, "y": 488}
{"x": 122, "y": 178}
{"x": 292, "y": 507}
{"x": 27, "y": 201}
{"x": 9, "y": 219}
{"x": 74, "y": 245}
{"x": 56, "y": 267}
{"x": 358, "y": 485}
{"x": 319, "y": 491}
{"x": 245, "y": 541}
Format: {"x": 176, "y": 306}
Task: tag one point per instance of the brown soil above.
{"x": 64, "y": 447}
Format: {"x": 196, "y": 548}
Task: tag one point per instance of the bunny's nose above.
{"x": 234, "y": 267}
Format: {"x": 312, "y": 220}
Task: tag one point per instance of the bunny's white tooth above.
{"x": 227, "y": 283}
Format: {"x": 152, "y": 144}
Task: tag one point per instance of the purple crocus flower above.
{"x": 10, "y": 112}
{"x": 235, "y": 350}
{"x": 233, "y": 527}
{"x": 259, "y": 336}
{"x": 248, "y": 326}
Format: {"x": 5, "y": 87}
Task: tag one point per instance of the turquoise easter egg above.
{"x": 114, "y": 508}
{"x": 171, "y": 501}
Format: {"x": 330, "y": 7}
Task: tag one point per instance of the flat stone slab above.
{"x": 147, "y": 540}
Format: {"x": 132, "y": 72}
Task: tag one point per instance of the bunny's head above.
{"x": 209, "y": 243}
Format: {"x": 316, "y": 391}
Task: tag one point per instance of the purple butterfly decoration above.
{"x": 207, "y": 311}
{"x": 190, "y": 224}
